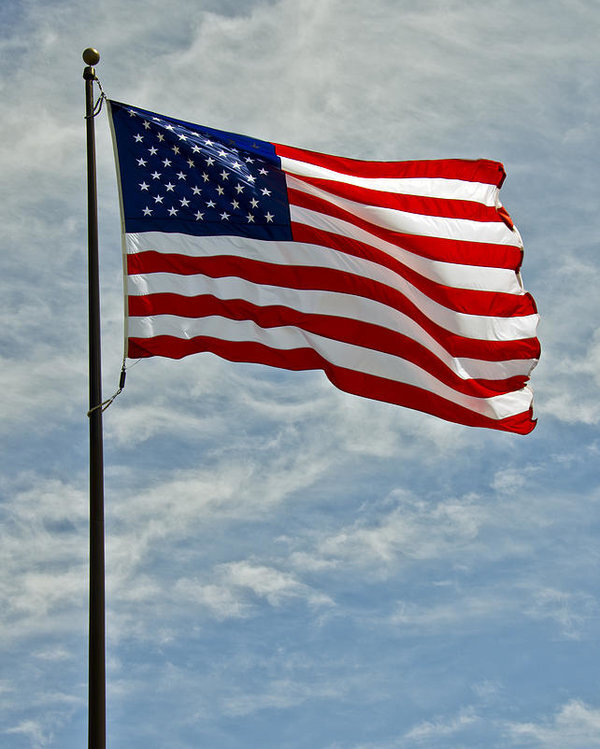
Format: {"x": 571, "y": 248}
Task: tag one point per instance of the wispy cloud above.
{"x": 427, "y": 730}
{"x": 575, "y": 725}
{"x": 289, "y": 565}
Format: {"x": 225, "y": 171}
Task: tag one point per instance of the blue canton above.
{"x": 180, "y": 177}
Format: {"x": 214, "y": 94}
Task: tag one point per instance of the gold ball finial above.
{"x": 91, "y": 56}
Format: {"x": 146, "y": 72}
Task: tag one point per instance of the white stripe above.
{"x": 461, "y": 229}
{"x": 470, "y": 326}
{"x": 306, "y": 301}
{"x": 480, "y": 278}
{"x": 458, "y": 276}
{"x": 436, "y": 187}
{"x": 340, "y": 354}
{"x": 363, "y": 309}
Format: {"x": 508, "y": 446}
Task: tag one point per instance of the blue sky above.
{"x": 289, "y": 565}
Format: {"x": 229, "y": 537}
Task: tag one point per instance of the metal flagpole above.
{"x": 97, "y": 668}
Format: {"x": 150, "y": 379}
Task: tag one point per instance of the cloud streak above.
{"x": 289, "y": 565}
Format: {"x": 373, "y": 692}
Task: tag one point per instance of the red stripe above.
{"x": 469, "y": 301}
{"x": 423, "y": 206}
{"x": 368, "y": 386}
{"x": 400, "y": 239}
{"x": 355, "y": 332}
{"x": 432, "y": 248}
{"x": 479, "y": 170}
{"x": 455, "y": 345}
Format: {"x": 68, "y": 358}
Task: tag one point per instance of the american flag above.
{"x": 400, "y": 280}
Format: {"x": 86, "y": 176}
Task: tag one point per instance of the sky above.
{"x": 289, "y": 565}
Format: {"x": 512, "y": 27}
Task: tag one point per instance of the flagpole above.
{"x": 97, "y": 657}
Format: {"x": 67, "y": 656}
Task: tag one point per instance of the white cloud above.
{"x": 223, "y": 602}
{"x": 234, "y": 590}
{"x": 239, "y": 496}
{"x": 453, "y": 615}
{"x": 34, "y": 731}
{"x": 279, "y": 695}
{"x": 42, "y": 557}
{"x": 273, "y": 585}
{"x": 428, "y": 730}
{"x": 406, "y": 528}
{"x": 42, "y": 385}
{"x": 55, "y": 654}
{"x": 487, "y": 690}
{"x": 55, "y": 709}
{"x": 570, "y": 610}
{"x": 567, "y": 377}
{"x": 500, "y": 601}
{"x": 574, "y": 726}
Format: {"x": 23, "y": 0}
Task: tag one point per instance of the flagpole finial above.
{"x": 91, "y": 56}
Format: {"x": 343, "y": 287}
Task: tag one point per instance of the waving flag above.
{"x": 400, "y": 280}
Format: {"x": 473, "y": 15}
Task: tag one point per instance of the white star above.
{"x": 173, "y": 211}
{"x": 166, "y": 162}
{"x": 235, "y": 165}
{"x": 147, "y": 211}
{"x": 224, "y": 216}
{"x": 248, "y": 160}
{"x": 142, "y": 162}
{"x": 190, "y": 163}
{"x": 181, "y": 136}
{"x": 175, "y": 149}
{"x": 269, "y": 217}
{"x": 161, "y": 137}
{"x": 235, "y": 204}
{"x": 250, "y": 218}
{"x": 222, "y": 154}
{"x": 199, "y": 216}
{"x": 158, "y": 199}
{"x": 239, "y": 188}
{"x": 181, "y": 175}
{"x": 262, "y": 171}
{"x": 251, "y": 179}
{"x": 264, "y": 191}
{"x": 170, "y": 186}
{"x": 205, "y": 176}
{"x": 146, "y": 124}
{"x": 143, "y": 186}
{"x": 196, "y": 190}
{"x": 138, "y": 138}
{"x": 156, "y": 175}
{"x": 220, "y": 190}
{"x": 169, "y": 127}
{"x": 196, "y": 148}
{"x": 208, "y": 142}
{"x": 211, "y": 204}
{"x": 153, "y": 151}
{"x": 224, "y": 174}
{"x": 184, "y": 202}
{"x": 131, "y": 112}
{"x": 210, "y": 161}
{"x": 254, "y": 203}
